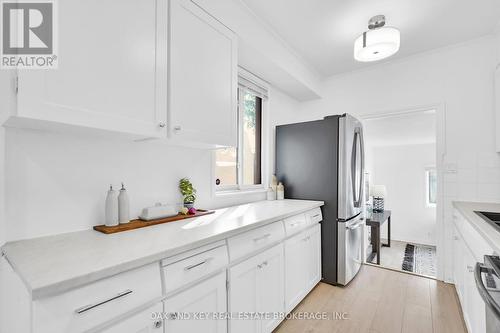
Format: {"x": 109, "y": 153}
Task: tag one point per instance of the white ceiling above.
{"x": 322, "y": 32}
{"x": 406, "y": 129}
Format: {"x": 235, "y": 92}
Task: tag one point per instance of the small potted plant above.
{"x": 188, "y": 192}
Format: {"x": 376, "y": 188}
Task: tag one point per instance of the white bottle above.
{"x": 123, "y": 206}
{"x": 271, "y": 194}
{"x": 111, "y": 209}
{"x": 280, "y": 191}
{"x": 274, "y": 185}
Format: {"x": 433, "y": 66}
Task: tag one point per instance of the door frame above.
{"x": 441, "y": 240}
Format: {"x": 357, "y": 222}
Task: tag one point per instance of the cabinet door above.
{"x": 112, "y": 69}
{"x": 142, "y": 322}
{"x": 313, "y": 272}
{"x": 270, "y": 286}
{"x": 206, "y": 298}
{"x": 203, "y": 77}
{"x": 474, "y": 310}
{"x": 458, "y": 264}
{"x": 295, "y": 270}
{"x": 243, "y": 295}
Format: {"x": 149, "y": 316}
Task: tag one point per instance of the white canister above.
{"x": 280, "y": 192}
{"x": 123, "y": 206}
{"x": 274, "y": 183}
{"x": 271, "y": 195}
{"x": 111, "y": 208}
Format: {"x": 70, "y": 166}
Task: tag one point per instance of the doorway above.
{"x": 402, "y": 191}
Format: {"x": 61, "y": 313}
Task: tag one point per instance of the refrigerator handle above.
{"x": 362, "y": 168}
{"x": 358, "y": 136}
{"x": 353, "y": 166}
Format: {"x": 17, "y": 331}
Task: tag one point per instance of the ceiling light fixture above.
{"x": 378, "y": 42}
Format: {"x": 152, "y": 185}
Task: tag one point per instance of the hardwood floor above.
{"x": 380, "y": 301}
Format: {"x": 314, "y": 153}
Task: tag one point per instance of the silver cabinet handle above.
{"x": 91, "y": 306}
{"x": 261, "y": 237}
{"x": 187, "y": 268}
{"x": 315, "y": 215}
{"x": 162, "y": 124}
{"x": 262, "y": 264}
{"x": 177, "y": 128}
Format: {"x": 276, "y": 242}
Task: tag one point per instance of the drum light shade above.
{"x": 377, "y": 44}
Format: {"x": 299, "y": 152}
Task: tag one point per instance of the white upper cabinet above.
{"x": 203, "y": 77}
{"x": 113, "y": 73}
{"x": 112, "y": 69}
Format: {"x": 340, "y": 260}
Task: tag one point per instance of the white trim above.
{"x": 223, "y": 194}
{"x": 224, "y": 191}
{"x": 253, "y": 83}
{"x": 440, "y": 108}
{"x": 427, "y": 171}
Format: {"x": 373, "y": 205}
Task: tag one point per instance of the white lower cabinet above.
{"x": 244, "y": 277}
{"x": 314, "y": 257}
{"x": 92, "y": 305}
{"x": 302, "y": 265}
{"x": 200, "y": 308}
{"x": 465, "y": 247}
{"x": 143, "y": 322}
{"x": 256, "y": 286}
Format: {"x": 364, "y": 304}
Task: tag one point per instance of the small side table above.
{"x": 375, "y": 221}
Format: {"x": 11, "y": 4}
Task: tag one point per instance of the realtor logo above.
{"x": 28, "y": 34}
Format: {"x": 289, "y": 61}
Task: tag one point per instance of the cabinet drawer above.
{"x": 194, "y": 268}
{"x": 251, "y": 241}
{"x": 295, "y": 223}
{"x": 314, "y": 216}
{"x": 94, "y": 304}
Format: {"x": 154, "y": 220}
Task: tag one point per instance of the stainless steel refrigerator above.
{"x": 324, "y": 160}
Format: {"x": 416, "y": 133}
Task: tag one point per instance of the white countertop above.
{"x": 53, "y": 264}
{"x": 488, "y": 232}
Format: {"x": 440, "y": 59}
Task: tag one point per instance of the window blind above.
{"x": 244, "y": 83}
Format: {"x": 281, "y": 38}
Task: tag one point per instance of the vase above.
{"x": 189, "y": 205}
{"x": 378, "y": 205}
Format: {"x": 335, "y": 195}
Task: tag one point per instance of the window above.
{"x": 241, "y": 167}
{"x": 431, "y": 186}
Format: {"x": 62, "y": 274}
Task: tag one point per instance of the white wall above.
{"x": 402, "y": 170}
{"x": 57, "y": 182}
{"x": 263, "y": 52}
{"x": 7, "y": 104}
{"x": 458, "y": 78}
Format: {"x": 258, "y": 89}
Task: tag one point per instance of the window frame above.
{"x": 240, "y": 188}
{"x": 428, "y": 170}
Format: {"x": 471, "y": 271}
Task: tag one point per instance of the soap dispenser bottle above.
{"x": 280, "y": 191}
{"x": 111, "y": 208}
{"x": 123, "y": 206}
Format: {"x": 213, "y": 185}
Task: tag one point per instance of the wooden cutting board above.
{"x": 136, "y": 224}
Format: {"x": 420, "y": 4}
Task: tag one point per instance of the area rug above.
{"x": 420, "y": 259}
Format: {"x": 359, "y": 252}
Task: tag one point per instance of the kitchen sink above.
{"x": 492, "y": 218}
